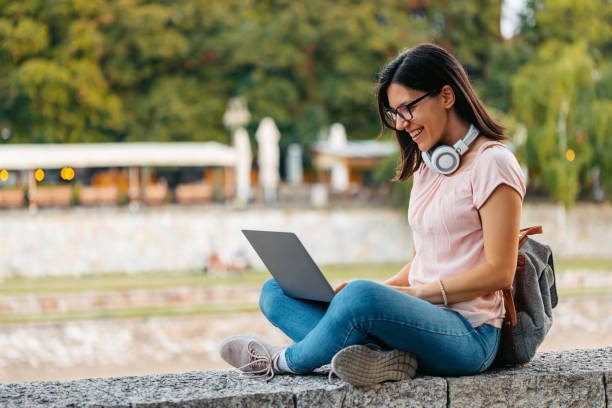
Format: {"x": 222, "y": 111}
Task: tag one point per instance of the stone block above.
{"x": 418, "y": 392}
{"x": 314, "y": 390}
{"x": 528, "y": 391}
{"x": 565, "y": 378}
{"x": 210, "y": 388}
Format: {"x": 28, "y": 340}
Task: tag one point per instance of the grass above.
{"x": 580, "y": 292}
{"x": 165, "y": 280}
{"x": 137, "y": 312}
{"x": 583, "y": 264}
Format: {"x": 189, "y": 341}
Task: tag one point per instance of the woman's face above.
{"x": 428, "y": 124}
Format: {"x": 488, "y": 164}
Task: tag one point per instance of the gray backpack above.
{"x": 529, "y": 302}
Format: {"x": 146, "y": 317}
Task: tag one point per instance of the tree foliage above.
{"x": 562, "y": 94}
{"x": 162, "y": 70}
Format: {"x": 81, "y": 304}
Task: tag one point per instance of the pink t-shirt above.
{"x": 446, "y": 226}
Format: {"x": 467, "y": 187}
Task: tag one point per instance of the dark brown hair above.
{"x": 428, "y": 67}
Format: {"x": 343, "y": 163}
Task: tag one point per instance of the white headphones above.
{"x": 445, "y": 159}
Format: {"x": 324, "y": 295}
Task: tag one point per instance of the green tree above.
{"x": 309, "y": 64}
{"x": 53, "y": 87}
{"x": 562, "y": 95}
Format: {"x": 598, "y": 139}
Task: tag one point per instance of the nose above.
{"x": 400, "y": 123}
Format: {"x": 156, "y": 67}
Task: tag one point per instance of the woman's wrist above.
{"x": 443, "y": 293}
{"x": 429, "y": 292}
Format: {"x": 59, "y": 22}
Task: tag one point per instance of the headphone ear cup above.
{"x": 445, "y": 159}
{"x": 427, "y": 159}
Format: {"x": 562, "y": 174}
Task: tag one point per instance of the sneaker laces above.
{"x": 329, "y": 377}
{"x": 261, "y": 363}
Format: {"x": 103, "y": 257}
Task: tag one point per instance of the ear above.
{"x": 448, "y": 96}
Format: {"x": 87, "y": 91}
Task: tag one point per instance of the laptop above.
{"x": 290, "y": 264}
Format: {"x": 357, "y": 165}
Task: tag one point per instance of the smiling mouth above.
{"x": 416, "y": 133}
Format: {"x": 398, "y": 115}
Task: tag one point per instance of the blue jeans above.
{"x": 366, "y": 312}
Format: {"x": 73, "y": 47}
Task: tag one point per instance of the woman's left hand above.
{"x": 340, "y": 287}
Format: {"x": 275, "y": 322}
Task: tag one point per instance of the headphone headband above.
{"x": 445, "y": 159}
{"x": 463, "y": 145}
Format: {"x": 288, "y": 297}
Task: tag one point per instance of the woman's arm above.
{"x": 401, "y": 278}
{"x": 500, "y": 217}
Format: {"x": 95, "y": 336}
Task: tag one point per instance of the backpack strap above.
{"x": 509, "y": 305}
{"x": 507, "y": 334}
{"x": 528, "y": 231}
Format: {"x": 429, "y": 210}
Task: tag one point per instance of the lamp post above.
{"x": 236, "y": 117}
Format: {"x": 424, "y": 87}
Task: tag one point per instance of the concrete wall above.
{"x": 87, "y": 240}
{"x": 576, "y": 378}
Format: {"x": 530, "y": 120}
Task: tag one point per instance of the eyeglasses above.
{"x": 404, "y": 110}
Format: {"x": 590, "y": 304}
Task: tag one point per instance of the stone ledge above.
{"x": 569, "y": 378}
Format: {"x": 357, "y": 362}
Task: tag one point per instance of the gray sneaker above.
{"x": 251, "y": 355}
{"x": 362, "y": 365}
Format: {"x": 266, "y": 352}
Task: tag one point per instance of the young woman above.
{"x": 442, "y": 311}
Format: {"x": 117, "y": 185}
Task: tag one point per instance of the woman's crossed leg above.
{"x": 365, "y": 312}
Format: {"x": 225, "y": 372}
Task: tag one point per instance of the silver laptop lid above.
{"x": 290, "y": 264}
